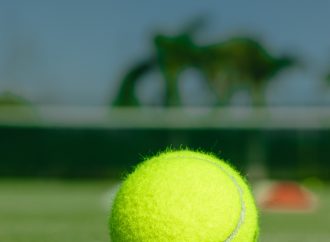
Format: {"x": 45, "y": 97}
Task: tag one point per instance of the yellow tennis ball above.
{"x": 184, "y": 196}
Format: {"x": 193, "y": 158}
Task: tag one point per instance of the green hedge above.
{"x": 63, "y": 152}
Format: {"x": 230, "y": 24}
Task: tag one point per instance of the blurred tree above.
{"x": 327, "y": 79}
{"x": 226, "y": 66}
{"x": 8, "y": 99}
{"x": 126, "y": 95}
{"x": 22, "y": 64}
{"x": 16, "y": 109}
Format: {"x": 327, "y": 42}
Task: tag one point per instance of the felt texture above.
{"x": 184, "y": 195}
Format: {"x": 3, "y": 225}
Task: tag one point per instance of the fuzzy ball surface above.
{"x": 179, "y": 196}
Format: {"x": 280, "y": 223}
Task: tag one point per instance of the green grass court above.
{"x": 67, "y": 211}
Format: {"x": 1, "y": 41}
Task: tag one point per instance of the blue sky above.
{"x": 74, "y": 52}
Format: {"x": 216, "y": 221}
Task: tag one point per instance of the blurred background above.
{"x": 88, "y": 89}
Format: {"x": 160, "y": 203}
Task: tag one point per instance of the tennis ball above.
{"x": 184, "y": 196}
